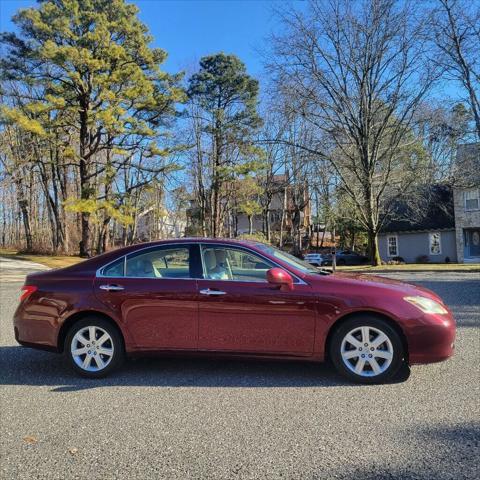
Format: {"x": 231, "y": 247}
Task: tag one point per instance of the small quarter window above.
{"x": 115, "y": 269}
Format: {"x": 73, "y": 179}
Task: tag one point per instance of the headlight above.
{"x": 426, "y": 305}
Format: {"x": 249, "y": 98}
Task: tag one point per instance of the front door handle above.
{"x": 112, "y": 288}
{"x": 207, "y": 291}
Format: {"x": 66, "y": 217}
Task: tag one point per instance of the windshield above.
{"x": 294, "y": 262}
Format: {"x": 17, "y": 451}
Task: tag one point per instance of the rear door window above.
{"x": 165, "y": 262}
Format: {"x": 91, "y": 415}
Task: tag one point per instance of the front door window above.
{"x": 222, "y": 263}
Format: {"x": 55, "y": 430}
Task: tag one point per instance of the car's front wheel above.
{"x": 366, "y": 349}
{"x": 94, "y": 347}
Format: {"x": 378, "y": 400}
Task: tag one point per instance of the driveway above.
{"x": 171, "y": 418}
{"x": 13, "y": 270}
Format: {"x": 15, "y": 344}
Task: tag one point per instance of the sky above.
{"x": 190, "y": 29}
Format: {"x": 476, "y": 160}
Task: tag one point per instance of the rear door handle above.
{"x": 207, "y": 291}
{"x": 112, "y": 288}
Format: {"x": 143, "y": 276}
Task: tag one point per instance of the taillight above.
{"x": 27, "y": 291}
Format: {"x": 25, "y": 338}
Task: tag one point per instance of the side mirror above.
{"x": 278, "y": 276}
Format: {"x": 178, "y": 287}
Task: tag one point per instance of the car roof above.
{"x": 96, "y": 262}
{"x": 91, "y": 265}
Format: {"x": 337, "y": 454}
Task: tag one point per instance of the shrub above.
{"x": 396, "y": 261}
{"x": 422, "y": 259}
{"x": 254, "y": 237}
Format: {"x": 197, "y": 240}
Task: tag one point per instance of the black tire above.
{"x": 378, "y": 324}
{"x": 115, "y": 342}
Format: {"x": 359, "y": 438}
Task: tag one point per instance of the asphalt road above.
{"x": 170, "y": 418}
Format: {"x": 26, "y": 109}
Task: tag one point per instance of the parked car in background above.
{"x": 317, "y": 259}
{"x": 346, "y": 257}
{"x": 226, "y": 297}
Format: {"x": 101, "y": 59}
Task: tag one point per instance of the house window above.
{"x": 435, "y": 243}
{"x": 392, "y": 246}
{"x": 472, "y": 201}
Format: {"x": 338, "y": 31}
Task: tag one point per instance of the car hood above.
{"x": 362, "y": 280}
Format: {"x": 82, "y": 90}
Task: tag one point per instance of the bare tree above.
{"x": 455, "y": 25}
{"x": 356, "y": 72}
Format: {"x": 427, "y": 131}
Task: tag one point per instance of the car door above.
{"x": 240, "y": 311}
{"x": 154, "y": 293}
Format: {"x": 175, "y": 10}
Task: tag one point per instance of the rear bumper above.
{"x": 432, "y": 339}
{"x": 35, "y": 329}
{"x": 37, "y": 346}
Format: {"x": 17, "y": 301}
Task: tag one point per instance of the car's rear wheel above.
{"x": 94, "y": 347}
{"x": 367, "y": 349}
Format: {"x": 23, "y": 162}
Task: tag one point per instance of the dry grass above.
{"x": 52, "y": 261}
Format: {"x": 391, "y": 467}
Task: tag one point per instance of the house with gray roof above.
{"x": 442, "y": 222}
{"x": 423, "y": 230}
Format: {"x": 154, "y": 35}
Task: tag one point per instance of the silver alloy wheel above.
{"x": 92, "y": 348}
{"x": 366, "y": 351}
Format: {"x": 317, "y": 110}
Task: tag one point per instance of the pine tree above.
{"x": 92, "y": 63}
{"x": 228, "y": 95}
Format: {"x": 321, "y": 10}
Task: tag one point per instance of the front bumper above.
{"x": 431, "y": 339}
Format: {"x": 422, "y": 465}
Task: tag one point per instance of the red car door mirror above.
{"x": 278, "y": 276}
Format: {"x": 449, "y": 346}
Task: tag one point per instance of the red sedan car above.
{"x": 229, "y": 297}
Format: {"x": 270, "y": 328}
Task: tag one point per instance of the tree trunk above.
{"x": 217, "y": 181}
{"x": 102, "y": 241}
{"x": 250, "y": 224}
{"x": 266, "y": 219}
{"x": 4, "y": 229}
{"x": 23, "y": 204}
{"x": 284, "y": 210}
{"x": 85, "y": 190}
{"x": 373, "y": 248}
{"x": 296, "y": 233}
{"x": 352, "y": 244}
{"x": 85, "y": 241}
{"x": 268, "y": 227}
